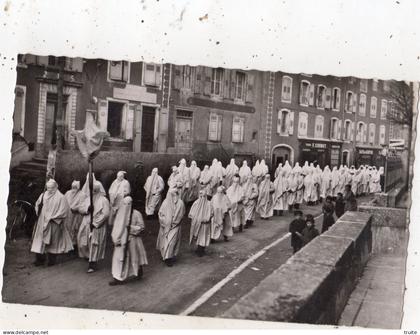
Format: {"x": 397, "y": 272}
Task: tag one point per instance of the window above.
{"x": 303, "y": 124}
{"x": 285, "y": 120}
{"x": 391, "y": 132}
{"x": 152, "y": 74}
{"x": 183, "y": 129}
{"x": 240, "y": 86}
{"x": 187, "y": 76}
{"x": 215, "y": 127}
{"x": 321, "y": 96}
{"x": 319, "y": 126}
{"x": 386, "y": 85}
{"x": 372, "y": 129}
{"x": 349, "y": 102}
{"x": 361, "y": 132}
{"x": 347, "y": 130}
{"x": 335, "y": 129}
{"x": 304, "y": 92}
{"x": 363, "y": 85}
{"x": 384, "y": 108}
{"x": 286, "y": 91}
{"x": 382, "y": 134}
{"x": 238, "y": 129}
{"x": 375, "y": 85}
{"x": 216, "y": 82}
{"x": 373, "y": 107}
{"x": 336, "y": 99}
{"x": 118, "y": 71}
{"x": 362, "y": 105}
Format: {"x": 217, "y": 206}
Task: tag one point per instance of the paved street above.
{"x": 162, "y": 289}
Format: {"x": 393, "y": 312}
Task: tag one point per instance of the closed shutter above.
{"x": 215, "y": 127}
{"x": 339, "y": 130}
{"x": 158, "y": 74}
{"x": 207, "y": 81}
{"x": 352, "y": 131}
{"x": 354, "y": 103}
{"x": 291, "y": 122}
{"x": 331, "y": 128}
{"x": 338, "y": 104}
{"x": 250, "y": 90}
{"x": 129, "y": 126}
{"x": 226, "y": 83}
{"x": 103, "y": 114}
{"x": 236, "y": 130}
{"x": 198, "y": 82}
{"x": 177, "y": 77}
{"x": 42, "y": 60}
{"x": 232, "y": 86}
{"x": 311, "y": 94}
{"x": 328, "y": 98}
{"x": 29, "y": 59}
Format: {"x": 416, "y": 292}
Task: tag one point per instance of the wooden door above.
{"x": 148, "y": 128}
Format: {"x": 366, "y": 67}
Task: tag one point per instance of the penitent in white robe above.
{"x": 51, "y": 235}
{"x": 280, "y": 196}
{"x": 250, "y": 199}
{"x": 153, "y": 187}
{"x": 73, "y": 220}
{"x": 235, "y": 194}
{"x": 127, "y": 263}
{"x": 170, "y": 216}
{"x": 200, "y": 214}
{"x": 92, "y": 244}
{"x": 220, "y": 222}
{"x": 265, "y": 199}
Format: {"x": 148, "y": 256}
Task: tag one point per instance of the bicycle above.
{"x": 23, "y": 218}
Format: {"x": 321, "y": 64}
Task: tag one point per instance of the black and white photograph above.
{"x": 148, "y": 186}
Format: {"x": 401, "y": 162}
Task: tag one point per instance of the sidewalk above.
{"x": 377, "y": 301}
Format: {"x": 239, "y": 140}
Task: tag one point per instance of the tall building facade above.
{"x": 205, "y": 112}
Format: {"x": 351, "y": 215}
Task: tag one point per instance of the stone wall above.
{"x": 313, "y": 286}
{"x": 389, "y": 228}
{"x": 71, "y": 166}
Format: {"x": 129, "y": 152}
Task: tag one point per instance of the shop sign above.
{"x": 316, "y": 145}
{"x": 365, "y": 152}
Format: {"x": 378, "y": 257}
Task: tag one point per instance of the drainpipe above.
{"x": 59, "y": 120}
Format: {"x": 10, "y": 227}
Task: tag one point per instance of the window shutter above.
{"x": 354, "y": 103}
{"x": 103, "y": 114}
{"x": 29, "y": 59}
{"x": 352, "y": 132}
{"x": 213, "y": 127}
{"x": 219, "y": 127}
{"x": 250, "y": 87}
{"x": 311, "y": 94}
{"x": 226, "y": 83}
{"x": 301, "y": 93}
{"x": 129, "y": 125}
{"x": 328, "y": 98}
{"x": 177, "y": 77}
{"x": 158, "y": 68}
{"x": 126, "y": 74}
{"x": 291, "y": 116}
{"x": 232, "y": 86}
{"x": 207, "y": 80}
{"x": 198, "y": 80}
{"x": 236, "y": 131}
{"x": 42, "y": 60}
{"x": 339, "y": 130}
{"x": 278, "y": 122}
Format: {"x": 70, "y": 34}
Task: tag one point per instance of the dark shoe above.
{"x": 116, "y": 282}
{"x": 52, "y": 259}
{"x": 39, "y": 259}
{"x": 168, "y": 262}
{"x": 140, "y": 273}
{"x": 241, "y": 229}
{"x": 226, "y": 238}
{"x": 247, "y": 224}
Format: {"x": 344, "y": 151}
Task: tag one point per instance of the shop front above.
{"x": 369, "y": 156}
{"x": 319, "y": 152}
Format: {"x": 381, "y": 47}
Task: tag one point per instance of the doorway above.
{"x": 115, "y": 116}
{"x": 282, "y": 154}
{"x": 51, "y": 120}
{"x": 148, "y": 128}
